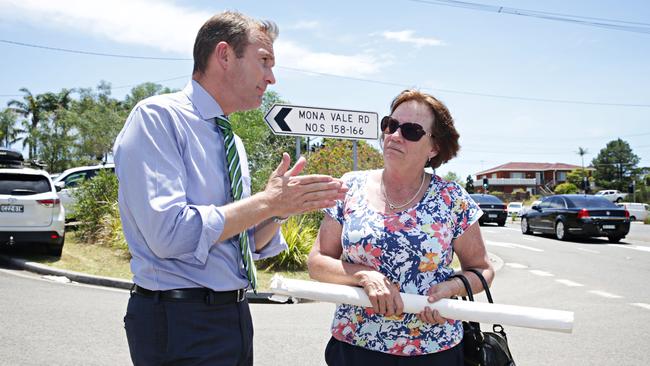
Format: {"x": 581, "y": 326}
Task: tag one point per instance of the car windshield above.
{"x": 23, "y": 184}
{"x": 486, "y": 198}
{"x": 590, "y": 202}
{"x": 514, "y": 204}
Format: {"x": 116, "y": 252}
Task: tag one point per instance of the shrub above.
{"x": 300, "y": 235}
{"x": 566, "y": 188}
{"x": 647, "y": 220}
{"x": 94, "y": 200}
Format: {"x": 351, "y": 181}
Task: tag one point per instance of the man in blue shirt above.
{"x": 176, "y": 203}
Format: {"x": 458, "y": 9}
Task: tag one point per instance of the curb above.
{"x": 253, "y": 298}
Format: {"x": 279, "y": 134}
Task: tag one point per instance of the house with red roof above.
{"x": 535, "y": 178}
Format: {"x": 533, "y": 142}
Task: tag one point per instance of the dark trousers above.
{"x": 339, "y": 353}
{"x": 172, "y": 332}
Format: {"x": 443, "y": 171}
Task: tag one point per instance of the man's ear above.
{"x": 222, "y": 54}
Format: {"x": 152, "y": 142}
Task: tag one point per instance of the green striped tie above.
{"x": 237, "y": 189}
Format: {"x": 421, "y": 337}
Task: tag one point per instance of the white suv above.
{"x": 612, "y": 195}
{"x": 30, "y": 210}
{"x": 68, "y": 181}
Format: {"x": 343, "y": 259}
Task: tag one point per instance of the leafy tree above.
{"x": 335, "y": 158}
{"x": 615, "y": 165}
{"x": 566, "y": 188}
{"x": 143, "y": 91}
{"x": 8, "y": 131}
{"x": 469, "y": 184}
{"x": 575, "y": 177}
{"x": 453, "y": 177}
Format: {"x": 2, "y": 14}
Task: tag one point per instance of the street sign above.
{"x": 310, "y": 121}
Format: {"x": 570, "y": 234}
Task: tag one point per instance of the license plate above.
{"x": 609, "y": 227}
{"x": 492, "y": 216}
{"x": 12, "y": 208}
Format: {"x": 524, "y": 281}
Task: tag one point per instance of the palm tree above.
{"x": 8, "y": 132}
{"x": 582, "y": 152}
{"x": 30, "y": 108}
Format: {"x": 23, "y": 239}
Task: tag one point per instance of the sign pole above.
{"x": 297, "y": 148}
{"x": 354, "y": 155}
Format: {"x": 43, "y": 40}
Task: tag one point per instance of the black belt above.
{"x": 194, "y": 295}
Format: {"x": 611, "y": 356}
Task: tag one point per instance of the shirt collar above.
{"x": 206, "y": 106}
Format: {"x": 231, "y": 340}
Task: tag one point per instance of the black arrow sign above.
{"x": 279, "y": 119}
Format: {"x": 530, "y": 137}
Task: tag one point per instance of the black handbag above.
{"x": 483, "y": 348}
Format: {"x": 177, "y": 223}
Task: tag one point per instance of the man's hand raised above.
{"x": 289, "y": 193}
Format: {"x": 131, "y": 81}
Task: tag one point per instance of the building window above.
{"x": 517, "y": 175}
{"x": 561, "y": 176}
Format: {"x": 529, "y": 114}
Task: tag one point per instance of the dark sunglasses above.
{"x": 410, "y": 131}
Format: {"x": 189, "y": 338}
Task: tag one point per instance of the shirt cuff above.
{"x": 213, "y": 220}
{"x": 273, "y": 248}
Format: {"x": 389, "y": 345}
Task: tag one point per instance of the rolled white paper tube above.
{"x": 518, "y": 316}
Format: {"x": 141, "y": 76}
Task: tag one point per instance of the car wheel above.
{"x": 525, "y": 229}
{"x": 614, "y": 239}
{"x": 632, "y": 218}
{"x": 501, "y": 223}
{"x": 619, "y": 200}
{"x": 560, "y": 230}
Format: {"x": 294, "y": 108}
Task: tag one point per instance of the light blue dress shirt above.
{"x": 171, "y": 165}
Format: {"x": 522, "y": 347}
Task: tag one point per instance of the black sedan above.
{"x": 494, "y": 210}
{"x": 568, "y": 215}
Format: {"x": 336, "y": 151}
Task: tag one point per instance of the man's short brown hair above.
{"x": 232, "y": 27}
{"x": 444, "y": 134}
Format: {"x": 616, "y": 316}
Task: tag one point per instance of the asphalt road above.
{"x": 46, "y": 322}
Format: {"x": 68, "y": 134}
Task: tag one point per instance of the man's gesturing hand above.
{"x": 290, "y": 194}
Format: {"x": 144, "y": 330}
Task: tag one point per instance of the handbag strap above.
{"x": 468, "y": 287}
{"x": 486, "y": 288}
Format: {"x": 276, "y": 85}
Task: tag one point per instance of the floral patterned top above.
{"x": 413, "y": 248}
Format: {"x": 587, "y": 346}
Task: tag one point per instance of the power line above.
{"x": 613, "y": 24}
{"x": 500, "y": 96}
{"x": 93, "y": 53}
{"x": 380, "y": 82}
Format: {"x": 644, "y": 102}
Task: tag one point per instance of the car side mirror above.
{"x": 536, "y": 208}
{"x": 59, "y": 186}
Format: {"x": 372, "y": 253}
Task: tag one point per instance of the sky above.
{"x": 520, "y": 88}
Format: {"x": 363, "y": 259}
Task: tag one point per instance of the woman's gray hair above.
{"x": 231, "y": 27}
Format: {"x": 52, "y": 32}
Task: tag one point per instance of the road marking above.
{"x": 589, "y": 250}
{"x": 511, "y": 229}
{"x": 641, "y": 305}
{"x": 537, "y": 272}
{"x": 635, "y": 247}
{"x": 569, "y": 283}
{"x": 605, "y": 294}
{"x": 488, "y": 231}
{"x": 529, "y": 239}
{"x": 511, "y": 245}
{"x": 516, "y": 265}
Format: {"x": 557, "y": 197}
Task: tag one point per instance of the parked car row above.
{"x": 566, "y": 215}
{"x": 33, "y": 206}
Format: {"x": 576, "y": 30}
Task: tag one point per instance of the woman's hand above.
{"x": 443, "y": 290}
{"x": 383, "y": 294}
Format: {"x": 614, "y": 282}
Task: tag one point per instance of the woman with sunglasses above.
{"x": 396, "y": 231}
